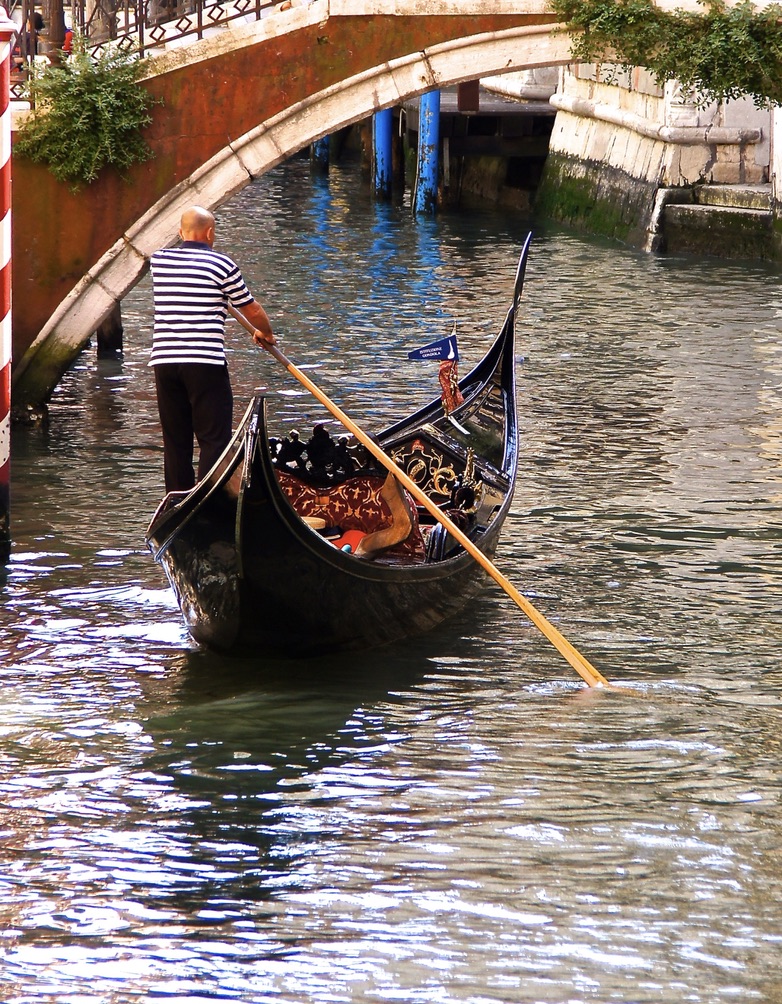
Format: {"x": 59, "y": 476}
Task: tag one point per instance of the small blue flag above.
{"x": 445, "y": 348}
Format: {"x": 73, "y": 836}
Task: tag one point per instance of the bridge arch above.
{"x": 344, "y": 100}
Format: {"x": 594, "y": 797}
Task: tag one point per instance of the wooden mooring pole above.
{"x": 7, "y": 32}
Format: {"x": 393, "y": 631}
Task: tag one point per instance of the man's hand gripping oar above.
{"x": 584, "y": 668}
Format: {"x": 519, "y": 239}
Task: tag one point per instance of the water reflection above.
{"x": 270, "y": 719}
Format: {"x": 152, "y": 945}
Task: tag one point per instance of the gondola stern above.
{"x": 176, "y": 509}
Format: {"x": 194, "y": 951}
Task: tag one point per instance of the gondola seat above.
{"x": 384, "y": 515}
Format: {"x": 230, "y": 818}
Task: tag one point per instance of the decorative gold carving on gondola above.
{"x": 417, "y": 471}
{"x": 428, "y": 468}
{"x": 443, "y": 479}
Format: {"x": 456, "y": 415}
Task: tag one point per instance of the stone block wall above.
{"x": 621, "y": 144}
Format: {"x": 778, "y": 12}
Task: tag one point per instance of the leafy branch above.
{"x": 724, "y": 52}
{"x": 89, "y": 112}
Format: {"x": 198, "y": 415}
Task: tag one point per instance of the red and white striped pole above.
{"x": 7, "y": 32}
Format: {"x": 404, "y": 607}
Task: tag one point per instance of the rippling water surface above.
{"x": 456, "y": 819}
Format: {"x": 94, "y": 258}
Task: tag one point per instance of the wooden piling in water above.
{"x": 7, "y": 32}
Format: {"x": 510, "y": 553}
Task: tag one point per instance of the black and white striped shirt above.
{"x": 192, "y": 285}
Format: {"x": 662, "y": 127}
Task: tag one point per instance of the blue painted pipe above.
{"x": 428, "y": 153}
{"x": 319, "y": 154}
{"x": 382, "y": 144}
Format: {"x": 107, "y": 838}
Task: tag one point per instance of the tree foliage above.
{"x": 722, "y": 53}
{"x": 89, "y": 112}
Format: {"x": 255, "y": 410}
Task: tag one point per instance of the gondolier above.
{"x": 193, "y": 285}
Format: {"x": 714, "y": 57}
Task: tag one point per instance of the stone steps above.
{"x": 737, "y": 219}
{"x": 755, "y": 197}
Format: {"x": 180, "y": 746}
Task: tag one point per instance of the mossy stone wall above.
{"x": 596, "y": 197}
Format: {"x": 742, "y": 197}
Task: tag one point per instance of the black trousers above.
{"x": 193, "y": 399}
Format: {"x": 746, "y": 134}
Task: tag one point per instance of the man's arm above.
{"x": 259, "y": 319}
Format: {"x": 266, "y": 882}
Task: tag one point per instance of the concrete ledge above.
{"x": 735, "y": 196}
{"x": 689, "y": 135}
{"x": 706, "y": 216}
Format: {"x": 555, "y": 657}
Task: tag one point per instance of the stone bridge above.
{"x": 233, "y": 106}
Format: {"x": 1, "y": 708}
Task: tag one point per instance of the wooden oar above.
{"x": 584, "y": 668}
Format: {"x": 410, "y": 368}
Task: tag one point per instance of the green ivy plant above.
{"x": 89, "y": 112}
{"x": 720, "y": 53}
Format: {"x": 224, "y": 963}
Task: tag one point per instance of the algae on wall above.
{"x": 595, "y": 197}
{"x": 726, "y": 232}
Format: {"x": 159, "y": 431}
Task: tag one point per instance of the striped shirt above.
{"x": 192, "y": 285}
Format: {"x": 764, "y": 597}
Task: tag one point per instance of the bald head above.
{"x": 197, "y": 224}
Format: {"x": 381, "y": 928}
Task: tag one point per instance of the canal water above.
{"x": 456, "y": 819}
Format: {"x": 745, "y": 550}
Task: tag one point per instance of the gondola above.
{"x": 293, "y": 548}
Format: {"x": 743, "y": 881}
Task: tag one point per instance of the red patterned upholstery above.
{"x": 356, "y": 504}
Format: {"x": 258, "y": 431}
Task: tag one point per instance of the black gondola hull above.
{"x": 293, "y": 595}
